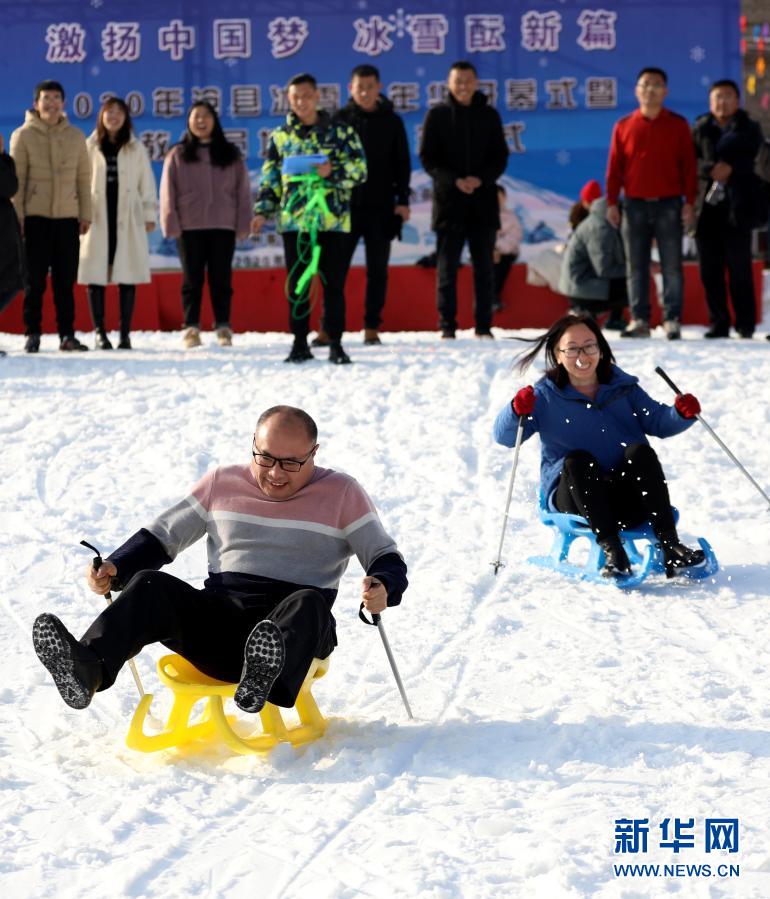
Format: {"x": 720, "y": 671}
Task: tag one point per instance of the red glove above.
{"x": 687, "y": 405}
{"x": 524, "y": 401}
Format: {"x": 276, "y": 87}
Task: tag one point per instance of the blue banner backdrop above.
{"x": 559, "y": 72}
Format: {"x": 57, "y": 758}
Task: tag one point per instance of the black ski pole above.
{"x": 713, "y": 433}
{"x": 97, "y": 564}
{"x": 377, "y": 621}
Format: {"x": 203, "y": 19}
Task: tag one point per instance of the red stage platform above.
{"x": 259, "y": 302}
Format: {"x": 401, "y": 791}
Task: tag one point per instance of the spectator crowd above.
{"x": 81, "y": 208}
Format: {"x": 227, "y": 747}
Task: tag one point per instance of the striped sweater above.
{"x": 306, "y": 539}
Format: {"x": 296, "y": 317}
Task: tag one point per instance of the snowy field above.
{"x": 546, "y": 709}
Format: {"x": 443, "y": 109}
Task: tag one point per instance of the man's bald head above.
{"x": 292, "y": 417}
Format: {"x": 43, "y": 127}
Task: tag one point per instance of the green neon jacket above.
{"x": 279, "y": 194}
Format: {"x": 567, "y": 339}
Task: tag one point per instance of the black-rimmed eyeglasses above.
{"x": 264, "y": 460}
{"x": 572, "y": 352}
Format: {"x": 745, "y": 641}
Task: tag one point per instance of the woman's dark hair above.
{"x": 223, "y": 153}
{"x": 549, "y": 341}
{"x": 577, "y": 214}
{"x": 124, "y": 135}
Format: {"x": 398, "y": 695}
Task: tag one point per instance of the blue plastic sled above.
{"x": 646, "y": 558}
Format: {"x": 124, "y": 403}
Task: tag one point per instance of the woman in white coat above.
{"x": 115, "y": 249}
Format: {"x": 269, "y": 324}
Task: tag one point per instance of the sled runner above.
{"x": 191, "y": 686}
{"x": 640, "y": 544}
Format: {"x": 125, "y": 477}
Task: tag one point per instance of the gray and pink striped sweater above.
{"x": 306, "y": 539}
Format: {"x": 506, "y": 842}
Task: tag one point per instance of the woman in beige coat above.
{"x": 115, "y": 249}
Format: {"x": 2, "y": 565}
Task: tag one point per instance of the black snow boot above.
{"x": 76, "y": 670}
{"x": 96, "y": 302}
{"x": 615, "y": 558}
{"x": 263, "y": 658}
{"x": 300, "y": 352}
{"x": 676, "y": 555}
{"x": 338, "y": 356}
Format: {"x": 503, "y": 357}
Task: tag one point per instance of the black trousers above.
{"x": 51, "y": 244}
{"x": 502, "y": 268}
{"x": 210, "y": 629}
{"x": 449, "y": 246}
{"x": 721, "y": 247}
{"x": 212, "y": 249}
{"x": 127, "y": 299}
{"x": 374, "y": 226}
{"x": 633, "y": 492}
{"x": 333, "y": 266}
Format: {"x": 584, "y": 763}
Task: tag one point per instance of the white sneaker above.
{"x": 224, "y": 336}
{"x": 637, "y": 327}
{"x": 672, "y": 330}
{"x": 191, "y": 337}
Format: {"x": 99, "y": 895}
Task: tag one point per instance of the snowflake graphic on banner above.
{"x": 598, "y": 29}
{"x": 484, "y": 33}
{"x": 697, "y": 53}
{"x": 232, "y": 38}
{"x": 121, "y": 42}
{"x": 65, "y": 42}
{"x": 175, "y": 38}
{"x": 287, "y": 35}
{"x": 372, "y": 36}
{"x": 428, "y": 32}
{"x": 540, "y": 31}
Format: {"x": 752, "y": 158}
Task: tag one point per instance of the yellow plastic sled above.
{"x": 190, "y": 686}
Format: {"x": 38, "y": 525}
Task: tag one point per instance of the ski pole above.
{"x": 377, "y": 620}
{"x": 97, "y": 564}
{"x": 497, "y": 565}
{"x": 713, "y": 433}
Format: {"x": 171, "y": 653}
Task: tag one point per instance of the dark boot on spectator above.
{"x": 96, "y": 305}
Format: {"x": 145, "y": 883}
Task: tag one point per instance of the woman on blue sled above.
{"x": 593, "y": 419}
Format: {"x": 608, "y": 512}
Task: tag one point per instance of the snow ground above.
{"x": 546, "y": 708}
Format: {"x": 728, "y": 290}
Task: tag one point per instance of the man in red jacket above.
{"x": 652, "y": 160}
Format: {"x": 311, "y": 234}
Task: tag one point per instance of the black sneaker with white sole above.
{"x": 263, "y": 658}
{"x": 76, "y": 670}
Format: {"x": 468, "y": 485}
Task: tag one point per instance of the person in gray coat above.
{"x": 593, "y": 270}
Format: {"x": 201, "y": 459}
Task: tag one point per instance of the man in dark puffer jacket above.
{"x": 464, "y": 151}
{"x": 380, "y": 206}
{"x": 729, "y": 204}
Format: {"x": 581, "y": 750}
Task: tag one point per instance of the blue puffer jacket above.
{"x": 566, "y": 420}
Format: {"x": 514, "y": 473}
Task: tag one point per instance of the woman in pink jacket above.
{"x": 205, "y": 202}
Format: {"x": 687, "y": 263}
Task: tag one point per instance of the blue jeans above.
{"x": 643, "y": 221}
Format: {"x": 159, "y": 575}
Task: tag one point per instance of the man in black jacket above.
{"x": 380, "y": 206}
{"x": 729, "y": 204}
{"x": 464, "y": 151}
